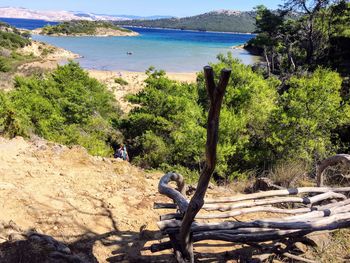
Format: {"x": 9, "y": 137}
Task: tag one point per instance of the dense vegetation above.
{"x": 320, "y": 36}
{"x": 77, "y": 27}
{"x": 10, "y": 40}
{"x": 214, "y": 21}
{"x": 66, "y": 106}
{"x": 259, "y": 127}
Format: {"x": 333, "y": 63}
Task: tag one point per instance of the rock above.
{"x": 320, "y": 240}
{"x": 301, "y": 247}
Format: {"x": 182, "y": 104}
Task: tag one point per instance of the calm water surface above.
{"x": 171, "y": 50}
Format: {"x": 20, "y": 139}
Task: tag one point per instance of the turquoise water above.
{"x": 171, "y": 50}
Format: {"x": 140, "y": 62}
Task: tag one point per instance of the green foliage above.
{"x": 121, "y": 81}
{"x": 79, "y": 27}
{"x": 259, "y": 127}
{"x": 308, "y": 114}
{"x": 10, "y": 40}
{"x": 213, "y": 21}
{"x": 319, "y": 35}
{"x": 248, "y": 104}
{"x": 4, "y": 65}
{"x": 167, "y": 128}
{"x": 66, "y": 106}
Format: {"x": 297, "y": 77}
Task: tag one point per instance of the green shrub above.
{"x": 121, "y": 81}
{"x": 79, "y": 27}
{"x": 4, "y": 65}
{"x": 10, "y": 40}
{"x": 66, "y": 106}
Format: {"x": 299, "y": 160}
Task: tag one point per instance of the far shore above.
{"x": 101, "y": 32}
{"x": 190, "y": 30}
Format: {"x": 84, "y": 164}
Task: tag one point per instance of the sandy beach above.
{"x": 135, "y": 82}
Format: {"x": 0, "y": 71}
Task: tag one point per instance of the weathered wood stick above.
{"x": 318, "y": 214}
{"x": 266, "y": 209}
{"x": 216, "y": 95}
{"x": 164, "y": 206}
{"x": 171, "y": 226}
{"x": 299, "y": 258}
{"x": 290, "y": 191}
{"x": 277, "y": 200}
{"x": 233, "y": 237}
{"x": 331, "y": 161}
{"x": 171, "y": 216}
{"x": 258, "y": 236}
{"x": 177, "y": 195}
{"x": 271, "y": 209}
{"x": 250, "y": 210}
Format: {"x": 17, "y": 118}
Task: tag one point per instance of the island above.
{"x": 84, "y": 28}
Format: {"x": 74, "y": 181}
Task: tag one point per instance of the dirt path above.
{"x": 104, "y": 204}
{"x": 101, "y": 208}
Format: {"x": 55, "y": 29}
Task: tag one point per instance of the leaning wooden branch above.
{"x": 216, "y": 94}
{"x": 331, "y": 161}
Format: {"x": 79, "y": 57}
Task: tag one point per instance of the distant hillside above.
{"x": 17, "y": 12}
{"x": 224, "y": 20}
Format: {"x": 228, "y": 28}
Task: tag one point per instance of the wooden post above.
{"x": 216, "y": 94}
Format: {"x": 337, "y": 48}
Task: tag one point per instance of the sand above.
{"x": 135, "y": 82}
{"x": 101, "y": 207}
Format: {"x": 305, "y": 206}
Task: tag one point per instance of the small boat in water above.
{"x": 129, "y": 53}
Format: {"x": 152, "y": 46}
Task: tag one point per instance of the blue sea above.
{"x": 171, "y": 50}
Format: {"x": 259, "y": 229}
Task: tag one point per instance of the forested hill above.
{"x": 224, "y": 20}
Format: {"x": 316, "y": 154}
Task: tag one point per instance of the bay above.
{"x": 171, "y": 50}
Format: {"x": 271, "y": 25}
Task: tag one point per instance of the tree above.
{"x": 307, "y": 115}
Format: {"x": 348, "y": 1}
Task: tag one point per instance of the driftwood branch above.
{"x": 228, "y": 231}
{"x": 331, "y": 161}
{"x": 272, "y": 193}
{"x": 276, "y": 200}
{"x": 179, "y": 196}
{"x": 216, "y": 94}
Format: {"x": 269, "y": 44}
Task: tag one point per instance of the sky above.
{"x": 177, "y": 8}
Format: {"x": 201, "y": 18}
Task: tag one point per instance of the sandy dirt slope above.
{"x": 71, "y": 196}
{"x": 101, "y": 208}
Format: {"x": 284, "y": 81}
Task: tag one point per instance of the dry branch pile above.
{"x": 296, "y": 213}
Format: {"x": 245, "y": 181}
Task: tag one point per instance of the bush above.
{"x": 308, "y": 113}
{"x": 259, "y": 128}
{"x": 80, "y": 27}
{"x": 169, "y": 127}
{"x": 66, "y": 106}
{"x": 4, "y": 65}
{"x": 121, "y": 81}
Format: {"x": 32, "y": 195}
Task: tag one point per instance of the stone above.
{"x": 301, "y": 247}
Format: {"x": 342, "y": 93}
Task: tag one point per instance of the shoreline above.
{"x": 190, "y": 30}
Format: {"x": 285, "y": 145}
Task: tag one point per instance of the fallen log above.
{"x": 337, "y": 222}
{"x": 278, "y": 200}
{"x": 290, "y": 191}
